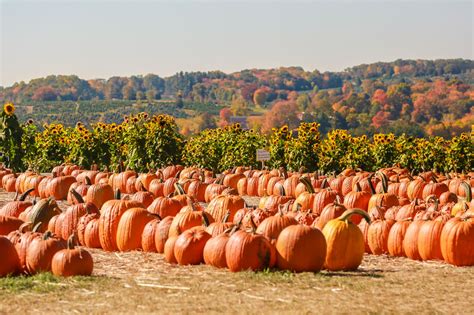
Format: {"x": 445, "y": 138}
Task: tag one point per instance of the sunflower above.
{"x": 135, "y": 119}
{"x": 30, "y": 121}
{"x": 9, "y": 109}
{"x": 313, "y": 129}
{"x": 284, "y": 128}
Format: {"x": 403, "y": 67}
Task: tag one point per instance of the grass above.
{"x": 45, "y": 283}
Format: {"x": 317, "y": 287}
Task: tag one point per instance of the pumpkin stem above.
{"x": 358, "y": 188}
{"x": 307, "y": 183}
{"x": 252, "y": 224}
{"x": 25, "y": 227}
{"x": 117, "y": 194}
{"x": 433, "y": 178}
{"x": 25, "y": 194}
{"x": 348, "y": 214}
{"x": 76, "y": 196}
{"x": 142, "y": 187}
{"x": 281, "y": 190}
{"x": 87, "y": 180}
{"x": 324, "y": 183}
{"x": 226, "y": 217}
{"x": 47, "y": 235}
{"x": 205, "y": 219}
{"x": 16, "y": 196}
{"x": 468, "y": 190}
{"x": 71, "y": 241}
{"x": 36, "y": 227}
{"x": 371, "y": 186}
{"x": 384, "y": 180}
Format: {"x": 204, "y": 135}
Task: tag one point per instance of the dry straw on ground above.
{"x": 138, "y": 282}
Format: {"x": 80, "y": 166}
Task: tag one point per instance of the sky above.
{"x": 100, "y": 39}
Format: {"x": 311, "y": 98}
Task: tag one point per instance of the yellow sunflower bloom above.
{"x": 9, "y": 109}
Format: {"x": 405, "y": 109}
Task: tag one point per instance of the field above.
{"x": 139, "y": 282}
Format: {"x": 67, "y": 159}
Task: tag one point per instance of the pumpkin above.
{"x": 15, "y": 208}
{"x": 330, "y": 212}
{"x": 187, "y": 219}
{"x": 80, "y": 188}
{"x": 165, "y": 206}
{"x": 272, "y": 226}
{"x": 82, "y": 225}
{"x": 40, "y": 253}
{"x": 58, "y": 187}
{"x": 189, "y": 246}
{"x": 216, "y": 228}
{"x": 156, "y": 187}
{"x": 111, "y": 212}
{"x": 378, "y": 235}
{"x": 429, "y": 235}
{"x": 9, "y": 224}
{"x": 410, "y": 241}
{"x": 148, "y": 236}
{"x": 99, "y": 193}
{"x": 72, "y": 215}
{"x": 91, "y": 234}
{"x": 415, "y": 188}
{"x": 214, "y": 251}
{"x": 305, "y": 200}
{"x": 357, "y": 199}
{"x": 222, "y": 204}
{"x": 10, "y": 263}
{"x": 457, "y": 246}
{"x": 161, "y": 234}
{"x": 345, "y": 242}
{"x": 461, "y": 206}
{"x": 145, "y": 197}
{"x": 72, "y": 261}
{"x": 169, "y": 250}
{"x": 322, "y": 199}
{"x": 249, "y": 251}
{"x": 300, "y": 248}
{"x": 130, "y": 228}
{"x": 395, "y": 238}
{"x": 42, "y": 212}
{"x": 434, "y": 188}
{"x": 22, "y": 241}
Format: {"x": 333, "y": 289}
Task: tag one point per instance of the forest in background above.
{"x": 416, "y": 97}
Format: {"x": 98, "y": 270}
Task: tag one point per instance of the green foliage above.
{"x": 223, "y": 148}
{"x": 10, "y": 139}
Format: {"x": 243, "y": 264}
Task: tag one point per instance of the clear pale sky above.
{"x": 99, "y": 39}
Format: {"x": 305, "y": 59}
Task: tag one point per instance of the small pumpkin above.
{"x": 72, "y": 261}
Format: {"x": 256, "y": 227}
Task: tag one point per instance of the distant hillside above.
{"x": 417, "y": 97}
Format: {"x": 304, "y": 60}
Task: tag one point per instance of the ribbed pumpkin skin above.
{"x": 272, "y": 226}
{"x": 148, "y": 236}
{"x": 395, "y": 238}
{"x": 165, "y": 206}
{"x": 169, "y": 250}
{"x": 72, "y": 216}
{"x": 40, "y": 253}
{"x": 217, "y": 228}
{"x": 130, "y": 228}
{"x": 214, "y": 251}
{"x": 145, "y": 197}
{"x": 301, "y": 248}
{"x": 220, "y": 205}
{"x": 82, "y": 224}
{"x": 330, "y": 212}
{"x": 184, "y": 221}
{"x": 345, "y": 245}
{"x": 9, "y": 224}
{"x": 410, "y": 241}
{"x": 249, "y": 251}
{"x": 14, "y": 208}
{"x": 161, "y": 234}
{"x": 99, "y": 194}
{"x": 21, "y": 247}
{"x": 378, "y": 236}
{"x": 457, "y": 246}
{"x": 72, "y": 262}
{"x": 91, "y": 234}
{"x": 357, "y": 199}
{"x": 10, "y": 263}
{"x": 429, "y": 236}
{"x": 59, "y": 187}
{"x": 322, "y": 199}
{"x": 189, "y": 246}
{"x": 111, "y": 212}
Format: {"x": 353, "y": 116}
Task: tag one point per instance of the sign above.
{"x": 263, "y": 155}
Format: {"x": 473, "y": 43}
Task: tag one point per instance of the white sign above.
{"x": 263, "y": 155}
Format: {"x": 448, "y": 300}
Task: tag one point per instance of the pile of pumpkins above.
{"x": 303, "y": 222}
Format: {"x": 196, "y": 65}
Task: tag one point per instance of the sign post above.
{"x": 263, "y": 155}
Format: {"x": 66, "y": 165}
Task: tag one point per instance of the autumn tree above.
{"x": 45, "y": 93}
{"x": 281, "y": 113}
{"x": 260, "y": 97}
{"x": 239, "y": 107}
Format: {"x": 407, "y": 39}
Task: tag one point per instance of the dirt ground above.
{"x": 138, "y": 282}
